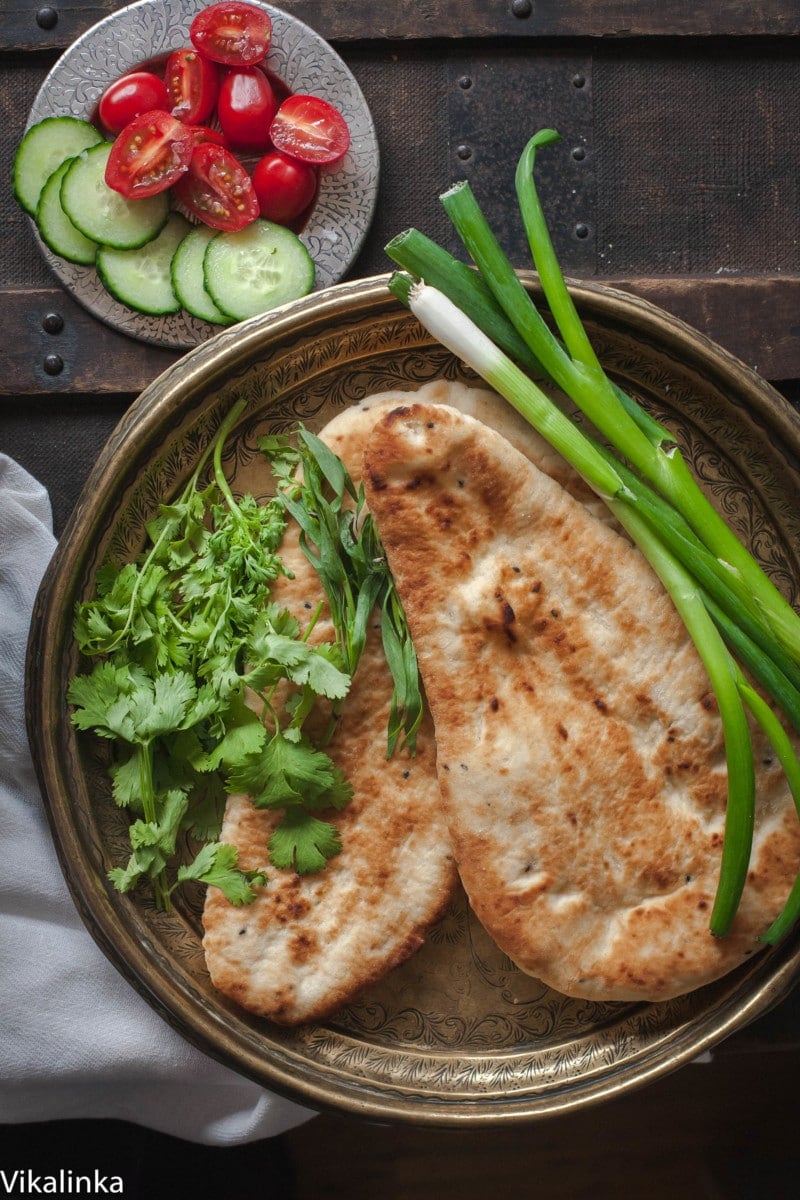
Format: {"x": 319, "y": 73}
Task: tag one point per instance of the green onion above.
{"x": 459, "y": 335}
{"x": 724, "y": 676}
{"x": 646, "y": 445}
{"x": 733, "y": 612}
{"x": 421, "y": 256}
{"x": 784, "y": 749}
{"x": 464, "y": 339}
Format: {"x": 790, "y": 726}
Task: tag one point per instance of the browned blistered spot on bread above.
{"x": 397, "y": 414}
{"x": 418, "y": 481}
{"x": 303, "y": 947}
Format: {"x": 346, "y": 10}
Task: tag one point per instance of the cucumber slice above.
{"x": 56, "y": 229}
{"x": 44, "y": 147}
{"x": 187, "y": 276}
{"x": 141, "y": 278}
{"x": 102, "y": 214}
{"x": 256, "y": 268}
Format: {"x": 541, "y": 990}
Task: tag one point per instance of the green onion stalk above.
{"x": 464, "y": 339}
{"x": 732, "y": 610}
{"x": 574, "y": 367}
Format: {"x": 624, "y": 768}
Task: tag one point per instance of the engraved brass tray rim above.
{"x": 315, "y": 1066}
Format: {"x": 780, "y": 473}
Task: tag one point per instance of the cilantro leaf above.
{"x": 206, "y": 810}
{"x": 180, "y": 636}
{"x": 93, "y": 695}
{"x": 215, "y": 864}
{"x": 243, "y": 734}
{"x": 291, "y": 771}
{"x": 306, "y": 665}
{"x": 303, "y": 843}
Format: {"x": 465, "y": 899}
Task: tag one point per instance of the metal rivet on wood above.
{"x": 47, "y": 18}
{"x": 53, "y": 323}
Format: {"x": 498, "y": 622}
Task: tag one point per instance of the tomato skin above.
{"x": 245, "y": 108}
{"x": 232, "y": 32}
{"x": 130, "y": 96}
{"x": 217, "y": 189}
{"x": 149, "y": 155}
{"x": 205, "y": 133}
{"x": 310, "y": 129}
{"x": 192, "y": 84}
{"x": 284, "y": 187}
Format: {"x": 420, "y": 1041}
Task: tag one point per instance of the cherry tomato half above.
{"x": 205, "y": 133}
{"x": 217, "y": 190}
{"x": 149, "y": 155}
{"x": 284, "y": 186}
{"x": 246, "y": 107}
{"x": 130, "y": 96}
{"x": 310, "y": 129}
{"x": 232, "y": 32}
{"x": 192, "y": 84}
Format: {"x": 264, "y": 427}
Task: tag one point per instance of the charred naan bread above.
{"x": 308, "y": 944}
{"x": 356, "y": 424}
{"x": 580, "y": 753}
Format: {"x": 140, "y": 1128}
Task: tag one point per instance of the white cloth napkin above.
{"x": 77, "y": 1040}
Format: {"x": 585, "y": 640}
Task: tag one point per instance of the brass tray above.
{"x": 457, "y": 1035}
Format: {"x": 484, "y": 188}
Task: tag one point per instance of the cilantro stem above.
{"x": 223, "y": 433}
{"x": 144, "y": 753}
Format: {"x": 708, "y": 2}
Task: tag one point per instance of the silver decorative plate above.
{"x": 457, "y": 1035}
{"x": 305, "y": 62}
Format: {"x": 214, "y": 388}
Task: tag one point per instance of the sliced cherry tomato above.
{"x": 150, "y": 154}
{"x": 310, "y": 129}
{"x": 192, "y": 83}
{"x": 205, "y": 133}
{"x": 284, "y": 186}
{"x": 246, "y": 107}
{"x": 130, "y": 96}
{"x": 217, "y": 189}
{"x": 279, "y": 88}
{"x": 233, "y": 33}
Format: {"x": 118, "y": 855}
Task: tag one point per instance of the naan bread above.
{"x": 308, "y": 945}
{"x": 580, "y": 753}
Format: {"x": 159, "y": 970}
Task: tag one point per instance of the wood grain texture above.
{"x": 757, "y": 318}
{"x": 754, "y": 318}
{"x": 93, "y": 358}
{"x": 674, "y": 178}
{"x": 348, "y": 21}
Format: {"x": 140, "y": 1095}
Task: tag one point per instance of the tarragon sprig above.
{"x": 339, "y": 538}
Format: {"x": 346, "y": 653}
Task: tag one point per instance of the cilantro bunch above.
{"x": 190, "y": 654}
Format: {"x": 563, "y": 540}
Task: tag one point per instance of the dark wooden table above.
{"x": 677, "y": 178}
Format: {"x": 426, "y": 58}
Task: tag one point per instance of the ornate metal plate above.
{"x": 305, "y": 62}
{"x": 457, "y": 1034}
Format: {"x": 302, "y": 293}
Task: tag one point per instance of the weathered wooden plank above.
{"x": 53, "y": 346}
{"x": 53, "y": 24}
{"x": 757, "y": 318}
